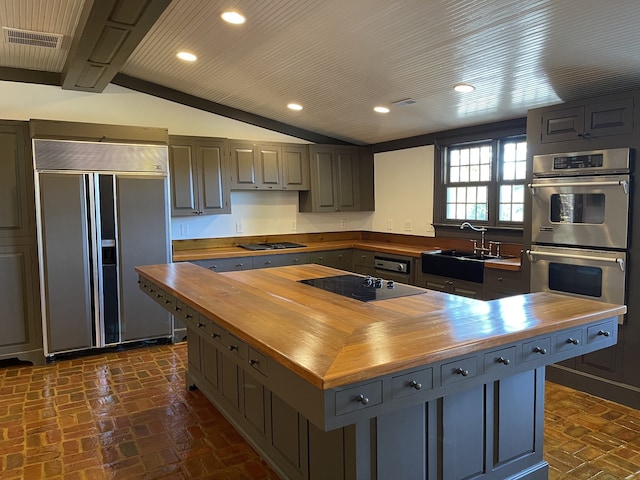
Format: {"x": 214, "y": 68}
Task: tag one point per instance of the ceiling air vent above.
{"x": 402, "y": 103}
{"x": 32, "y": 39}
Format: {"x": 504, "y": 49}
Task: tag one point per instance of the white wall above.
{"x": 403, "y": 179}
{"x": 404, "y": 191}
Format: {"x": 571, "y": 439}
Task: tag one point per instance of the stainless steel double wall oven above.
{"x": 581, "y": 223}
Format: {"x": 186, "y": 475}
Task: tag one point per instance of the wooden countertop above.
{"x": 331, "y": 340}
{"x": 392, "y": 248}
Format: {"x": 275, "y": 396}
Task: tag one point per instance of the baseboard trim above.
{"x": 601, "y": 387}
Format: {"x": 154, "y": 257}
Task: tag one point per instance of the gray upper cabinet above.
{"x": 20, "y": 321}
{"x": 591, "y": 120}
{"x": 295, "y": 167}
{"x": 334, "y": 180}
{"x": 16, "y": 204}
{"x": 269, "y": 166}
{"x": 199, "y": 176}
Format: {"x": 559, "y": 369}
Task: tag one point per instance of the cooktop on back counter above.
{"x": 362, "y": 288}
{"x": 271, "y": 245}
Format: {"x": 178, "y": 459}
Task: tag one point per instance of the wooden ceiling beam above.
{"x": 108, "y": 32}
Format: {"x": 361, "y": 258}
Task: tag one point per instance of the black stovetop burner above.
{"x": 362, "y": 288}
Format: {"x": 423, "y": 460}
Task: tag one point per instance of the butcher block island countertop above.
{"x": 331, "y": 340}
{"x": 426, "y": 386}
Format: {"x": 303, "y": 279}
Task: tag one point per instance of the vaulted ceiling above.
{"x": 336, "y": 58}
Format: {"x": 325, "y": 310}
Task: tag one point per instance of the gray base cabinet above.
{"x": 480, "y": 415}
{"x": 450, "y": 285}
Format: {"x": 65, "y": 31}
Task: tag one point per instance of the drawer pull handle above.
{"x": 254, "y": 362}
{"x": 233, "y": 347}
{"x": 500, "y": 279}
{"x": 167, "y": 301}
{"x": 603, "y": 333}
{"x": 151, "y": 290}
{"x": 215, "y": 335}
{"x": 461, "y": 371}
{"x": 200, "y": 325}
{"x": 540, "y": 350}
{"x": 362, "y": 399}
{"x": 575, "y": 341}
{"x": 503, "y": 360}
{"x": 414, "y": 384}
{"x": 186, "y": 315}
{"x": 158, "y": 295}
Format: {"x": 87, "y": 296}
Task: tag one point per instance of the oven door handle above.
{"x": 532, "y": 253}
{"x": 623, "y": 183}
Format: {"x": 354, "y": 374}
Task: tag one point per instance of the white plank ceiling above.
{"x": 341, "y": 58}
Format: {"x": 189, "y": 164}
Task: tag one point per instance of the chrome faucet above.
{"x": 482, "y": 231}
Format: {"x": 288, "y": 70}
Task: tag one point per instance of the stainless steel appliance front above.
{"x": 594, "y": 274}
{"x": 582, "y": 211}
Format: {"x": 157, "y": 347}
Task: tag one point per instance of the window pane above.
{"x": 485, "y": 173}
{"x": 505, "y": 194}
{"x": 505, "y": 213}
{"x": 454, "y": 157}
{"x": 509, "y": 152}
{"x": 517, "y": 214}
{"x": 451, "y": 195}
{"x": 474, "y": 173}
{"x": 471, "y": 194}
{"x": 464, "y": 174}
{"x": 454, "y": 174}
{"x": 518, "y": 193}
{"x": 462, "y": 194}
{"x": 509, "y": 171}
{"x": 482, "y": 194}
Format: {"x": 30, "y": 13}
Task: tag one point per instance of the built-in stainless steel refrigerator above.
{"x": 102, "y": 210}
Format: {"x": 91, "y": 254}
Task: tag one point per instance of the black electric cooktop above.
{"x": 362, "y": 288}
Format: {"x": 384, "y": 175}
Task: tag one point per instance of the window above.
{"x": 484, "y": 181}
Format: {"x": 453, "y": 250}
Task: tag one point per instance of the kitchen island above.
{"x": 427, "y": 385}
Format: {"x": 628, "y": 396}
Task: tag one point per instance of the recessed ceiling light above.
{"x": 464, "y": 88}
{"x": 381, "y": 109}
{"x": 294, "y": 106}
{"x": 186, "y": 56}
{"x": 233, "y": 17}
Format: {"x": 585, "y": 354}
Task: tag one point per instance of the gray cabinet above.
{"x": 503, "y": 283}
{"x": 269, "y": 166}
{"x": 19, "y": 288}
{"x": 199, "y": 176}
{"x": 363, "y": 262}
{"x": 592, "y": 120}
{"x": 295, "y": 167}
{"x": 450, "y": 285}
{"x": 341, "y": 259}
{"x": 226, "y": 264}
{"x": 335, "y": 182}
{"x": 280, "y": 260}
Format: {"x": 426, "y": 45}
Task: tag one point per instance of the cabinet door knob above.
{"x": 362, "y": 399}
{"x": 603, "y": 333}
{"x": 540, "y": 350}
{"x": 461, "y": 371}
{"x": 575, "y": 341}
{"x": 414, "y": 384}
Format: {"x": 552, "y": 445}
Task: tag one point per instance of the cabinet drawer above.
{"x": 601, "y": 332}
{"x": 412, "y": 383}
{"x": 280, "y": 260}
{"x": 534, "y": 349}
{"x": 357, "y": 398}
{"x": 363, "y": 258}
{"x": 458, "y": 370}
{"x": 504, "y": 280}
{"x": 226, "y": 264}
{"x": 169, "y": 302}
{"x": 500, "y": 360}
{"x": 234, "y": 345}
{"x": 258, "y": 361}
{"x": 568, "y": 340}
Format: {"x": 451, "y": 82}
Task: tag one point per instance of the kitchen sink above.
{"x": 458, "y": 264}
